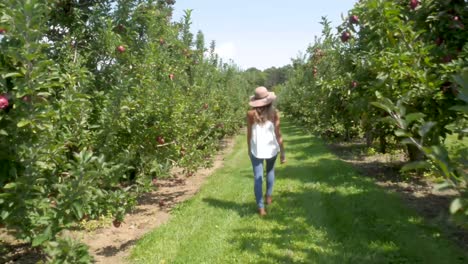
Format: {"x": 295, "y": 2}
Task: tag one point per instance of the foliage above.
{"x": 454, "y": 172}
{"x": 67, "y": 251}
{"x": 390, "y": 47}
{"x": 103, "y": 96}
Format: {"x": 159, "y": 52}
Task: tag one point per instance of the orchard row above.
{"x": 99, "y": 99}
{"x": 396, "y": 71}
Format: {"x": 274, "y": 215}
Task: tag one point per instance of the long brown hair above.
{"x": 264, "y": 113}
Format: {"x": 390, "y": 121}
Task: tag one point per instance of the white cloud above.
{"x": 226, "y": 50}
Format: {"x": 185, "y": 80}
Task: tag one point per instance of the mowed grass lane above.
{"x": 323, "y": 211}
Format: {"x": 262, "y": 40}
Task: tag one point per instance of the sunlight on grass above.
{"x": 323, "y": 211}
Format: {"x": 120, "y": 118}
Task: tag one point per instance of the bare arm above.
{"x": 279, "y": 138}
{"x": 249, "y": 130}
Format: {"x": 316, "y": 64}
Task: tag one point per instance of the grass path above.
{"x": 323, "y": 211}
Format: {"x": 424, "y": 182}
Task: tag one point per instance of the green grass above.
{"x": 323, "y": 211}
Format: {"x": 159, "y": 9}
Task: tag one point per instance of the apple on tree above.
{"x": 4, "y": 102}
{"x": 121, "y": 49}
{"x": 414, "y": 4}
{"x": 160, "y": 140}
{"x": 345, "y": 36}
{"x": 354, "y": 19}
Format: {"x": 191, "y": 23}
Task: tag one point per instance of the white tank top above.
{"x": 263, "y": 144}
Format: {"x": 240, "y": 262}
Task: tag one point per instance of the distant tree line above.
{"x": 269, "y": 78}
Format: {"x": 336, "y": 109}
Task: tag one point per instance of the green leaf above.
{"x": 12, "y": 74}
{"x": 3, "y": 132}
{"x": 382, "y": 106}
{"x": 402, "y": 133}
{"x": 413, "y": 117}
{"x": 78, "y": 210}
{"x": 456, "y": 205}
{"x": 416, "y": 165}
{"x": 425, "y": 128}
{"x": 38, "y": 240}
{"x": 10, "y": 185}
{"x": 407, "y": 141}
{"x": 460, "y": 108}
{"x": 23, "y": 123}
{"x": 5, "y": 214}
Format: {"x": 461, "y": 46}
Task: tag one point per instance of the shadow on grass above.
{"x": 243, "y": 209}
{"x": 330, "y": 214}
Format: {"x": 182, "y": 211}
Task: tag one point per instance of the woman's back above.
{"x": 264, "y": 144}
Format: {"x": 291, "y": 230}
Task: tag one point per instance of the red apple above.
{"x": 3, "y": 102}
{"x": 439, "y": 41}
{"x": 154, "y": 181}
{"x": 161, "y": 41}
{"x": 121, "y": 49}
{"x": 116, "y": 223}
{"x": 456, "y": 18}
{"x": 160, "y": 140}
{"x": 26, "y": 99}
{"x": 171, "y": 76}
{"x": 414, "y": 4}
{"x": 345, "y": 36}
{"x": 354, "y": 84}
{"x": 447, "y": 59}
{"x": 2, "y": 31}
{"x": 205, "y": 106}
{"x": 353, "y": 19}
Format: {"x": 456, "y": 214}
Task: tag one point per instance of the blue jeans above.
{"x": 257, "y": 165}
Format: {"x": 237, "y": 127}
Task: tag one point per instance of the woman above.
{"x": 264, "y": 141}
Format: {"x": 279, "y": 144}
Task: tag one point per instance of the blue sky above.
{"x": 261, "y": 33}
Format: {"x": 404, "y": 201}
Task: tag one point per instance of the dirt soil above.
{"x": 417, "y": 191}
{"x": 111, "y": 244}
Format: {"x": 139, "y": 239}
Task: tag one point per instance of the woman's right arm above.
{"x": 279, "y": 138}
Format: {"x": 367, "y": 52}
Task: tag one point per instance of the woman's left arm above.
{"x": 249, "y": 130}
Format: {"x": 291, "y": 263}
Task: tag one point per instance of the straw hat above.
{"x": 262, "y": 97}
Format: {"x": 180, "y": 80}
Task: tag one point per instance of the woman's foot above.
{"x": 268, "y": 199}
{"x": 261, "y": 211}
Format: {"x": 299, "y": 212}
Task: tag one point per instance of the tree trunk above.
{"x": 383, "y": 144}
{"x": 369, "y": 138}
{"x": 414, "y": 153}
